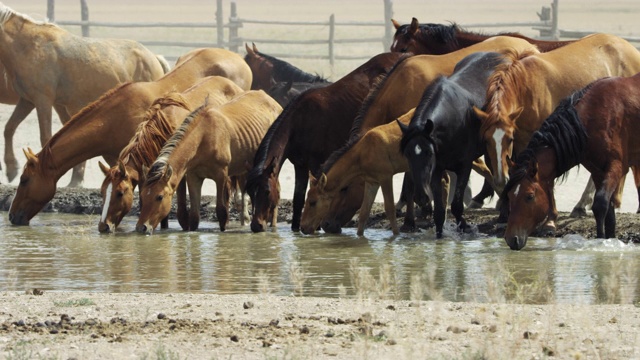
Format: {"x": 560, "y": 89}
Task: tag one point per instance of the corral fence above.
{"x": 228, "y": 31}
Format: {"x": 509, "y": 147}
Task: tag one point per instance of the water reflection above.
{"x": 64, "y": 252}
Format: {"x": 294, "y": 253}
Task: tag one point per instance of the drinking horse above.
{"x": 104, "y": 127}
{"x": 48, "y": 67}
{"x": 441, "y": 39}
{"x": 213, "y": 142}
{"x": 398, "y": 92}
{"x": 526, "y": 89}
{"x": 594, "y": 127}
{"x": 160, "y": 121}
{"x": 444, "y": 133}
{"x": 308, "y": 130}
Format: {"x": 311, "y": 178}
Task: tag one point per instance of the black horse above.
{"x": 444, "y": 133}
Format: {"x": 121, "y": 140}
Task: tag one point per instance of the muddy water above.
{"x": 64, "y": 252}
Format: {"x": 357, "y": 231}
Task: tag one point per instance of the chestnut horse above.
{"x": 213, "y": 142}
{"x": 444, "y": 133}
{"x": 441, "y": 39}
{"x": 308, "y": 130}
{"x": 267, "y": 70}
{"x": 104, "y": 127}
{"x": 594, "y": 127}
{"x": 48, "y": 67}
{"x": 160, "y": 121}
{"x": 526, "y": 89}
{"x": 399, "y": 91}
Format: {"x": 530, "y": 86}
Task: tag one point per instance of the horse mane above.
{"x": 45, "y": 153}
{"x": 6, "y": 13}
{"x": 505, "y": 84}
{"x": 158, "y": 167}
{"x": 153, "y": 131}
{"x": 563, "y": 132}
{"x": 290, "y": 72}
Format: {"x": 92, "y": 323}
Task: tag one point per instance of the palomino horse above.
{"x": 442, "y": 39}
{"x": 526, "y": 89}
{"x": 104, "y": 127}
{"x": 308, "y": 130}
{"x": 48, "y": 67}
{"x": 594, "y": 127}
{"x": 267, "y": 70}
{"x": 212, "y": 142}
{"x": 400, "y": 90}
{"x": 444, "y": 133}
{"x": 160, "y": 121}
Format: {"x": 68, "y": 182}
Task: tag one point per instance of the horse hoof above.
{"x": 578, "y": 213}
{"x": 475, "y": 205}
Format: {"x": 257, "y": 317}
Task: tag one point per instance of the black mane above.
{"x": 444, "y": 34}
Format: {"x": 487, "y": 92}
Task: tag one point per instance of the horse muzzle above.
{"x": 105, "y": 228}
{"x": 516, "y": 242}
{"x": 257, "y": 226}
{"x": 144, "y": 229}
{"x": 332, "y": 227}
{"x": 18, "y": 218}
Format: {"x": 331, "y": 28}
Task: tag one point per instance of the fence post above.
{"x": 388, "y": 31}
{"x": 332, "y": 33}
{"x": 84, "y": 14}
{"x": 555, "y": 33}
{"x": 51, "y": 10}
{"x": 219, "y": 23}
{"x": 233, "y": 28}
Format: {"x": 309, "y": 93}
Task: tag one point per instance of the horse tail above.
{"x": 164, "y": 63}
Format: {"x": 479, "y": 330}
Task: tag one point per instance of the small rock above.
{"x": 53, "y": 331}
{"x": 530, "y": 335}
{"x": 548, "y": 351}
{"x": 162, "y": 316}
{"x": 234, "y": 338}
{"x": 613, "y": 320}
{"x": 329, "y": 334}
{"x": 247, "y": 305}
{"x": 391, "y": 342}
{"x": 562, "y": 324}
{"x": 274, "y": 322}
{"x": 332, "y": 320}
{"x": 475, "y": 321}
{"x": 391, "y": 307}
{"x": 456, "y": 329}
{"x": 304, "y": 330}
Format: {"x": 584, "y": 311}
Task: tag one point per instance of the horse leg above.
{"x": 602, "y": 204}
{"x": 370, "y": 191}
{"x": 194, "y": 183}
{"x": 580, "y": 210}
{"x": 549, "y": 227}
{"x": 181, "y": 208}
{"x": 636, "y": 178}
{"x": 223, "y": 194}
{"x": 439, "y": 207}
{"x": 457, "y": 206}
{"x": 20, "y": 112}
{"x": 302, "y": 179}
{"x": 274, "y": 216}
{"x": 389, "y": 207}
{"x": 488, "y": 187}
{"x": 409, "y": 216}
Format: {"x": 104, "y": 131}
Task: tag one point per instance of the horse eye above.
{"x": 24, "y": 181}
{"x": 119, "y": 194}
{"x": 344, "y": 189}
{"x": 509, "y": 140}
{"x": 159, "y": 198}
{"x": 530, "y": 197}
{"x": 313, "y": 203}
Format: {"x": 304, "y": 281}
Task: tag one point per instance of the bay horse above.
{"x": 213, "y": 142}
{"x": 439, "y": 39}
{"x": 104, "y": 127}
{"x": 160, "y": 121}
{"x": 398, "y": 92}
{"x": 444, "y": 133}
{"x": 48, "y": 67}
{"x": 594, "y": 127}
{"x": 283, "y": 92}
{"x": 525, "y": 90}
{"x": 308, "y": 130}
{"x": 268, "y": 70}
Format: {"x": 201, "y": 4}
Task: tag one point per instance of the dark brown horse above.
{"x": 594, "y": 127}
{"x": 312, "y": 126}
{"x": 267, "y": 71}
{"x": 439, "y": 39}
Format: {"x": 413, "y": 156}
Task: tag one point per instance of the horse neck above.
{"x": 183, "y": 156}
{"x": 20, "y": 36}
{"x": 546, "y": 158}
{"x": 343, "y": 171}
{"x": 466, "y": 39}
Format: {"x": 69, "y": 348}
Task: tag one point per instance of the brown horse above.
{"x": 442, "y": 39}
{"x": 267, "y": 71}
{"x": 160, "y": 121}
{"x": 213, "y": 142}
{"x": 48, "y": 67}
{"x": 526, "y": 89}
{"x": 594, "y": 127}
{"x": 399, "y": 91}
{"x": 104, "y": 127}
{"x": 308, "y": 130}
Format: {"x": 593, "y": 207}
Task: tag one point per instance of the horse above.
{"x": 159, "y": 123}
{"x": 398, "y": 92}
{"x": 267, "y": 70}
{"x": 283, "y": 92}
{"x": 308, "y": 130}
{"x": 212, "y": 142}
{"x": 593, "y": 127}
{"x": 48, "y": 67}
{"x": 439, "y": 39}
{"x": 525, "y": 90}
{"x": 444, "y": 133}
{"x": 104, "y": 127}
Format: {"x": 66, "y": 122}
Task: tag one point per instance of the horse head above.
{"x": 497, "y": 131}
{"x": 117, "y": 196}
{"x": 528, "y": 204}
{"x": 155, "y": 198}
{"x": 317, "y": 204}
{"x": 263, "y": 188}
{"x": 405, "y": 38}
{"x": 419, "y": 149}
{"x": 416, "y": 38}
{"x": 37, "y": 187}
{"x": 261, "y": 68}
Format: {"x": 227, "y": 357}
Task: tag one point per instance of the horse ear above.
{"x": 414, "y": 26}
{"x": 479, "y": 113}
{"x": 322, "y": 182}
{"x": 122, "y": 169}
{"x": 143, "y": 175}
{"x": 312, "y": 179}
{"x": 516, "y": 114}
{"x": 104, "y": 168}
{"x": 532, "y": 169}
{"x": 289, "y": 85}
{"x": 168, "y": 173}
{"x": 249, "y": 51}
{"x": 31, "y": 157}
{"x": 395, "y": 24}
{"x": 404, "y": 128}
{"x": 255, "y": 48}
